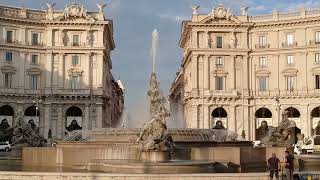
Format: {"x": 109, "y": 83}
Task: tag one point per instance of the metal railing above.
{"x": 286, "y": 44}
{"x": 260, "y": 46}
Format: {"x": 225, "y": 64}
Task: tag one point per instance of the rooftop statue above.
{"x": 73, "y": 12}
{"x": 194, "y": 9}
{"x": 101, "y": 7}
{"x": 221, "y": 13}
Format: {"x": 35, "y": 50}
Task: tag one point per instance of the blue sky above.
{"x": 134, "y": 21}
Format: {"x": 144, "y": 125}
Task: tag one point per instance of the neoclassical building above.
{"x": 244, "y": 69}
{"x": 55, "y": 68}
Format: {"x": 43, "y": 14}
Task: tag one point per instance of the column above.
{"x": 206, "y": 117}
{"x": 304, "y": 118}
{"x": 206, "y": 70}
{"x": 194, "y": 39}
{"x": 86, "y": 117}
{"x": 60, "y": 122}
{"x": 88, "y": 73}
{"x": 49, "y": 37}
{"x": 233, "y": 72}
{"x": 194, "y": 119}
{"x": 21, "y": 74}
{"x": 61, "y": 71}
{"x": 99, "y": 116}
{"x": 232, "y": 125}
{"x": 245, "y": 72}
{"x": 46, "y": 119}
{"x": 194, "y": 73}
{"x": 206, "y": 39}
{"x": 48, "y": 70}
{"x": 22, "y": 35}
{"x": 100, "y": 38}
{"x": 99, "y": 70}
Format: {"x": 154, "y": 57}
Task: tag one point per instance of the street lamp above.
{"x": 37, "y": 101}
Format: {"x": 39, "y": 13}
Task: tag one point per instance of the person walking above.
{"x": 273, "y": 164}
{"x": 289, "y": 165}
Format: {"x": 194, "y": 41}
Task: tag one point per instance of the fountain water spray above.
{"x": 155, "y": 40}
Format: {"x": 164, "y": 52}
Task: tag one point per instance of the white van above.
{"x": 311, "y": 145}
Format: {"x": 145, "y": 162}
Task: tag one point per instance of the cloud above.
{"x": 174, "y": 18}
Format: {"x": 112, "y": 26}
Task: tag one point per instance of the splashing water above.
{"x": 155, "y": 40}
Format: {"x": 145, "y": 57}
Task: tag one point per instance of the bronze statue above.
{"x": 26, "y": 134}
{"x": 73, "y": 126}
{"x": 262, "y": 131}
{"x": 280, "y": 136}
{"x": 219, "y": 125}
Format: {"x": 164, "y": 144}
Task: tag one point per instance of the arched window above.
{"x": 74, "y": 111}
{"x": 32, "y": 111}
{"x": 6, "y": 110}
{"x": 219, "y": 113}
{"x": 263, "y": 113}
{"x": 293, "y": 112}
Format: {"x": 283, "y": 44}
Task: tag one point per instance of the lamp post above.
{"x": 37, "y": 101}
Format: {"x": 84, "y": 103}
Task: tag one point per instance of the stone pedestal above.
{"x": 155, "y": 156}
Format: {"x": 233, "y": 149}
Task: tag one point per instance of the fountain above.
{"x": 152, "y": 149}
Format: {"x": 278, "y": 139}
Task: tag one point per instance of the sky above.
{"x": 134, "y": 21}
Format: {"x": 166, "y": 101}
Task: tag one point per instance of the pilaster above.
{"x": 206, "y": 69}
{"x": 194, "y": 73}
{"x": 194, "y": 119}
{"x": 60, "y": 122}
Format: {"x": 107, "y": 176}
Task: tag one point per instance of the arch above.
{"x": 315, "y": 112}
{"x": 219, "y": 113}
{"x": 6, "y": 110}
{"x": 293, "y": 112}
{"x": 32, "y": 111}
{"x": 74, "y": 111}
{"x": 73, "y": 118}
{"x": 263, "y": 113}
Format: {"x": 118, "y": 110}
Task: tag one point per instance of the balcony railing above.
{"x": 260, "y": 46}
{"x": 32, "y": 43}
{"x": 286, "y": 44}
{"x": 314, "y": 42}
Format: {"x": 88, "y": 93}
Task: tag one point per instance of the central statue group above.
{"x": 154, "y": 133}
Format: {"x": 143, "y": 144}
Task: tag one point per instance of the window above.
{"x": 34, "y": 81}
{"x": 35, "y": 39}
{"x": 74, "y": 82}
{"x": 9, "y": 56}
{"x": 34, "y": 59}
{"x": 263, "y": 62}
{"x": 290, "y": 59}
{"x": 289, "y": 39}
{"x": 8, "y": 80}
{"x": 75, "y": 60}
{"x": 76, "y": 40}
{"x": 219, "y": 41}
{"x": 317, "y": 58}
{"x": 219, "y": 83}
{"x": 263, "y": 83}
{"x": 318, "y": 37}
{"x": 219, "y": 61}
{"x": 317, "y": 79}
{"x": 291, "y": 83}
{"x": 262, "y": 41}
{"x": 9, "y": 36}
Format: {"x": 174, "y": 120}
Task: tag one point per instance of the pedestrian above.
{"x": 273, "y": 164}
{"x": 289, "y": 165}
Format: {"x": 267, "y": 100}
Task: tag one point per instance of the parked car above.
{"x": 5, "y": 146}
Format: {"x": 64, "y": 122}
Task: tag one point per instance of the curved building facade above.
{"x": 244, "y": 69}
{"x": 55, "y": 68}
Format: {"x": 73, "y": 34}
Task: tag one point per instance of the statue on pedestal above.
{"x": 154, "y": 132}
{"x": 317, "y": 129}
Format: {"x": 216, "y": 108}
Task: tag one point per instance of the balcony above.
{"x": 32, "y": 43}
{"x": 287, "y": 45}
{"x": 223, "y": 46}
{"x": 260, "y": 46}
{"x": 10, "y": 41}
{"x": 314, "y": 42}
